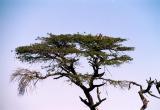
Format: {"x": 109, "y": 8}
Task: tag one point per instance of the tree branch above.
{"x": 84, "y": 101}
{"x": 99, "y": 99}
{"x": 144, "y": 100}
{"x": 27, "y": 78}
{"x": 98, "y": 103}
{"x": 125, "y": 83}
{"x": 157, "y": 86}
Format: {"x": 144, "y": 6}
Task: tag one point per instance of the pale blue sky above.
{"x": 21, "y": 21}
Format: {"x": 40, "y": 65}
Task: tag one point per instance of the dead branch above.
{"x": 127, "y": 84}
{"x": 27, "y": 78}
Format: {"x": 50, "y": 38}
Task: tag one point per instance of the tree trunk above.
{"x": 144, "y": 101}
{"x": 93, "y": 108}
{"x": 89, "y": 101}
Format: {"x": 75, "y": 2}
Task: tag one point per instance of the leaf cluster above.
{"x": 109, "y": 50}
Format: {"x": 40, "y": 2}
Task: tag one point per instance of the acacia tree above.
{"x": 62, "y": 54}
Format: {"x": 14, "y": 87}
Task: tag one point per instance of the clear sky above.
{"x": 21, "y": 21}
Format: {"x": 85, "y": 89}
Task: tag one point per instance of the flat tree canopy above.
{"x": 62, "y": 54}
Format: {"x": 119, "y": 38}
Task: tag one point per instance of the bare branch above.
{"x": 84, "y": 101}
{"x": 144, "y": 100}
{"x": 157, "y": 86}
{"x": 125, "y": 83}
{"x": 98, "y": 103}
{"x": 99, "y": 99}
{"x": 150, "y": 93}
{"x": 27, "y": 78}
{"x": 98, "y": 94}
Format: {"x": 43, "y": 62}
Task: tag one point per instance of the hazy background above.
{"x": 21, "y": 21}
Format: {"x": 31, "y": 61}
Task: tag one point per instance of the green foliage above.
{"x": 109, "y": 50}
